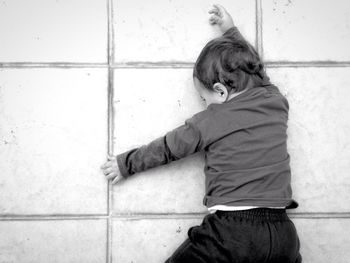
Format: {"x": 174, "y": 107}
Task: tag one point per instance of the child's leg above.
{"x": 201, "y": 246}
{"x": 186, "y": 253}
{"x": 257, "y": 235}
{"x": 284, "y": 242}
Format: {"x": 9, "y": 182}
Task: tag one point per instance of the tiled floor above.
{"x": 80, "y": 79}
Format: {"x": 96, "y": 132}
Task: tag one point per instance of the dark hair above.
{"x": 233, "y": 63}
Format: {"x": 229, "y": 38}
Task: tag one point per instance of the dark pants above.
{"x": 255, "y": 235}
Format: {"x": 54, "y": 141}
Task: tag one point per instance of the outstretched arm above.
{"x": 148, "y": 156}
{"x": 176, "y": 144}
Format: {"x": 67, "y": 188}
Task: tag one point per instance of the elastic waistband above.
{"x": 268, "y": 214}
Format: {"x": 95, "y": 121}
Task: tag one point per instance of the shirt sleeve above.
{"x": 178, "y": 143}
{"x": 234, "y": 34}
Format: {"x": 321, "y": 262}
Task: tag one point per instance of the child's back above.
{"x": 244, "y": 140}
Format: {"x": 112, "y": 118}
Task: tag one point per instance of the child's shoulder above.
{"x": 266, "y": 91}
{"x": 273, "y": 90}
{"x": 200, "y": 117}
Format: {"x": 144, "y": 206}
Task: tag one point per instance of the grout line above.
{"x": 316, "y": 215}
{"x": 109, "y": 239}
{"x": 110, "y": 152}
{"x": 51, "y": 65}
{"x": 304, "y": 64}
{"x": 108, "y": 247}
{"x": 320, "y": 215}
{"x": 110, "y": 33}
{"x": 51, "y": 217}
{"x": 110, "y": 119}
{"x": 110, "y": 125}
{"x": 259, "y": 29}
{"x": 165, "y": 64}
{"x": 301, "y": 64}
{"x": 160, "y": 64}
{"x": 140, "y": 216}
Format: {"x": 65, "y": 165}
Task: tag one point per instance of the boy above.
{"x": 243, "y": 135}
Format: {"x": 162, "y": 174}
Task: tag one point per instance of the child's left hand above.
{"x": 221, "y": 18}
{"x": 111, "y": 170}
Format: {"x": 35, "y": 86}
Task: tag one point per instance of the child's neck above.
{"x": 231, "y": 96}
{"x": 250, "y": 84}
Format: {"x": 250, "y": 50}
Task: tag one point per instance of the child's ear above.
{"x": 221, "y": 90}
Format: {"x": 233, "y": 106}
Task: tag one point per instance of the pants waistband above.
{"x": 269, "y": 214}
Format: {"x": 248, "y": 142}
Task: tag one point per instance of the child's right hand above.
{"x": 221, "y": 18}
{"x": 111, "y": 170}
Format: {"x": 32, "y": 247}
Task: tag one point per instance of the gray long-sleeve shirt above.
{"x": 244, "y": 144}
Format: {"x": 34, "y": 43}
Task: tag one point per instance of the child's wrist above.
{"x": 227, "y": 29}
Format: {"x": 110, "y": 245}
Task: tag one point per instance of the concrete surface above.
{"x": 53, "y": 139}
{"x": 53, "y": 241}
{"x": 53, "y": 31}
{"x": 80, "y": 79}
{"x": 171, "y": 30}
{"x": 296, "y": 30}
{"x": 319, "y": 125}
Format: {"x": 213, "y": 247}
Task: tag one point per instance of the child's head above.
{"x": 227, "y": 66}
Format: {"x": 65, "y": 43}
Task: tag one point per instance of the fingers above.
{"x": 106, "y": 165}
{"x": 218, "y": 14}
{"x": 109, "y": 163}
{"x": 117, "y": 179}
{"x": 111, "y": 157}
{"x": 220, "y": 9}
{"x": 111, "y": 176}
{"x": 213, "y": 11}
{"x": 217, "y": 10}
{"x": 108, "y": 170}
{"x": 214, "y": 20}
